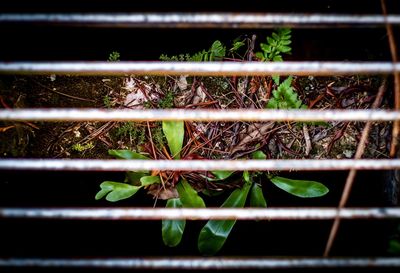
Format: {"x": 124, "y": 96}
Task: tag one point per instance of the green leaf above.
{"x": 257, "y": 197}
{"x": 258, "y": 155}
{"x": 247, "y": 178}
{"x": 116, "y": 191}
{"x": 285, "y": 49}
{"x": 172, "y": 230}
{"x": 277, "y": 58}
{"x": 300, "y": 188}
{"x": 126, "y": 154}
{"x": 174, "y": 131}
{"x": 276, "y": 79}
{"x": 213, "y": 235}
{"x": 217, "y": 51}
{"x": 260, "y": 56}
{"x": 149, "y": 180}
{"x": 237, "y": 45}
{"x": 394, "y": 247}
{"x": 221, "y": 175}
{"x": 188, "y": 196}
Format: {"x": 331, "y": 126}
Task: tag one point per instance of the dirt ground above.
{"x": 214, "y": 140}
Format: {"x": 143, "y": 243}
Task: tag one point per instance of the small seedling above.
{"x": 114, "y": 56}
{"x": 82, "y": 147}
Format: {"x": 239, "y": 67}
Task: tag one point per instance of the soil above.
{"x": 280, "y": 140}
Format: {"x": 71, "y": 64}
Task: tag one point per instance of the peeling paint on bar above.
{"x": 200, "y": 214}
{"x": 203, "y": 20}
{"x": 197, "y": 165}
{"x": 200, "y": 68}
{"x": 62, "y": 114}
{"x": 204, "y": 263}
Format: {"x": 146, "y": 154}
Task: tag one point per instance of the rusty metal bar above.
{"x": 200, "y": 68}
{"x": 202, "y": 20}
{"x": 197, "y": 165}
{"x": 205, "y": 263}
{"x": 200, "y": 214}
{"x": 74, "y": 114}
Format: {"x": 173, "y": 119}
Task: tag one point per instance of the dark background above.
{"x": 28, "y": 238}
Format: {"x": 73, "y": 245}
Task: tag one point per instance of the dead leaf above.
{"x": 162, "y": 193}
{"x": 199, "y": 96}
{"x": 182, "y": 83}
{"x": 254, "y": 134}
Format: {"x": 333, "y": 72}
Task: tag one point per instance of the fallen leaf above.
{"x": 254, "y": 134}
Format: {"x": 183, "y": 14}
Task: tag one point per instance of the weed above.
{"x": 135, "y": 133}
{"x": 82, "y": 147}
{"x": 167, "y": 101}
{"x": 107, "y": 101}
{"x": 278, "y": 43}
{"x": 216, "y": 52}
{"x": 284, "y": 97}
{"x": 114, "y": 56}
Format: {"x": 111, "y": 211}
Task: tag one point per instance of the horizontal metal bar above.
{"x": 200, "y": 214}
{"x": 197, "y": 165}
{"x": 205, "y": 263}
{"x": 73, "y": 114}
{"x": 200, "y": 68}
{"x": 203, "y": 20}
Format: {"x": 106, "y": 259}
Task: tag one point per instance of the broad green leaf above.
{"x": 172, "y": 230}
{"x": 149, "y": 180}
{"x": 116, "y": 191}
{"x": 188, "y": 196}
{"x": 300, "y": 188}
{"x": 174, "y": 131}
{"x": 126, "y": 154}
{"x": 213, "y": 235}
{"x": 257, "y": 197}
{"x": 258, "y": 155}
{"x": 221, "y": 175}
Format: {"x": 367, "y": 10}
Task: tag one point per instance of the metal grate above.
{"x": 206, "y": 20}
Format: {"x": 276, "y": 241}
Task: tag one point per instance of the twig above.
{"x": 151, "y": 141}
{"x": 307, "y": 139}
{"x": 62, "y": 94}
{"x": 352, "y": 174}
{"x": 393, "y": 52}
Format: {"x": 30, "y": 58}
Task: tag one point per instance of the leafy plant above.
{"x": 114, "y": 56}
{"x": 277, "y": 44}
{"x": 284, "y": 97}
{"x": 214, "y": 234}
{"x": 172, "y": 230}
{"x": 216, "y": 52}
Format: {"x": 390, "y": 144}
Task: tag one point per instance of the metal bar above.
{"x": 202, "y": 20}
{"x": 200, "y": 214}
{"x": 197, "y": 165}
{"x": 73, "y": 114}
{"x": 205, "y": 263}
{"x": 200, "y": 68}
